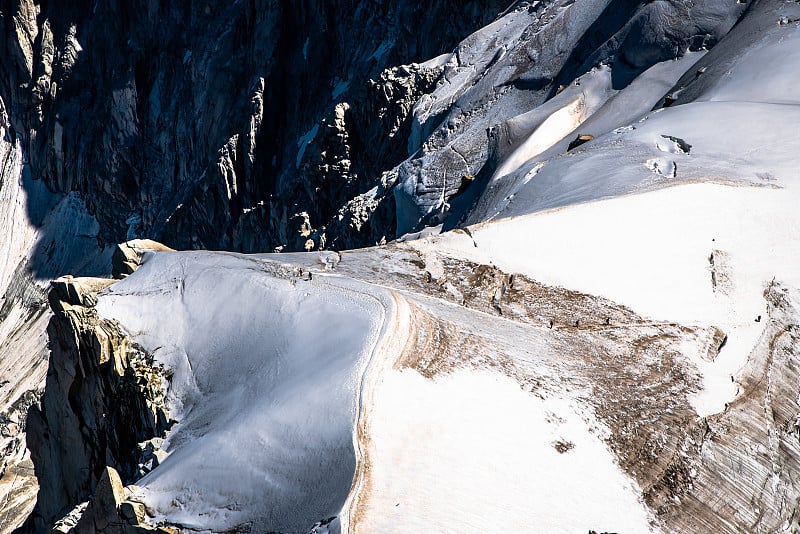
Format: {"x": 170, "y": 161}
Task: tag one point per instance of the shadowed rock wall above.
{"x": 241, "y": 125}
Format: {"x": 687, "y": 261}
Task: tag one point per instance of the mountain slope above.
{"x": 590, "y": 322}
{"x": 233, "y": 125}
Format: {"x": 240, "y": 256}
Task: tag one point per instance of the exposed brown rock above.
{"x": 128, "y": 255}
{"x": 103, "y": 396}
{"x": 108, "y": 496}
{"x": 578, "y": 141}
{"x": 132, "y": 512}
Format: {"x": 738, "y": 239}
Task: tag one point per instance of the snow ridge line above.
{"x": 393, "y": 337}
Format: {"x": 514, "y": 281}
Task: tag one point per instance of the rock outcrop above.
{"x": 126, "y": 256}
{"x": 41, "y": 236}
{"x": 109, "y": 512}
{"x": 23, "y": 364}
{"x": 103, "y": 397}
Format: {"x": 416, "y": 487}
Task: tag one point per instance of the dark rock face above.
{"x": 241, "y": 125}
{"x": 260, "y": 124}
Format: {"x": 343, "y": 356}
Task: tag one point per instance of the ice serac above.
{"x": 522, "y": 84}
{"x": 702, "y": 130}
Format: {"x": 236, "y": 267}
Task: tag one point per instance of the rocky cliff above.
{"x": 103, "y": 397}
{"x": 244, "y": 125}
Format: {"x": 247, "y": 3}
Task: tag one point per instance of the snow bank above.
{"x": 266, "y": 375}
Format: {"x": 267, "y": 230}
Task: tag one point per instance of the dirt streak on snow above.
{"x": 393, "y": 340}
{"x": 651, "y": 252}
{"x": 475, "y": 449}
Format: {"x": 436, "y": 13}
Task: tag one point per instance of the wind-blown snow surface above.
{"x": 265, "y": 384}
{"x": 590, "y": 220}
{"x": 472, "y": 452}
{"x": 269, "y": 371}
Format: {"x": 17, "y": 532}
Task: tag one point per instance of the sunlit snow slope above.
{"x": 268, "y": 376}
{"x": 265, "y": 386}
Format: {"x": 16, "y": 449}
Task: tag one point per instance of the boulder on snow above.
{"x": 67, "y": 291}
{"x": 132, "y": 512}
{"x": 578, "y": 141}
{"x": 108, "y": 512}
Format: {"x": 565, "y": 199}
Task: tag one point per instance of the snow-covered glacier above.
{"x": 552, "y": 282}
